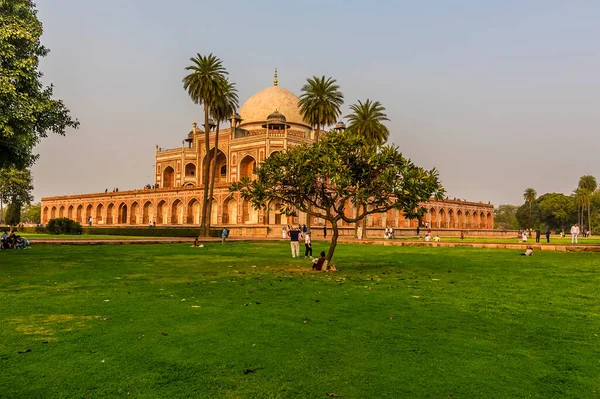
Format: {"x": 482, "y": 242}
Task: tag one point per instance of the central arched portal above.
{"x": 168, "y": 177}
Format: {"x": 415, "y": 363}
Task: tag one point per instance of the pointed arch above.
{"x": 61, "y": 211}
{"x": 249, "y": 214}
{"x": 230, "y": 211}
{"x": 110, "y": 213}
{"x": 80, "y": 214}
{"x": 88, "y": 213}
{"x": 53, "y": 213}
{"x": 70, "y": 212}
{"x": 45, "y": 215}
{"x": 460, "y": 219}
{"x": 168, "y": 177}
{"x": 433, "y": 218}
{"x": 221, "y": 171}
{"x": 443, "y": 223}
{"x": 451, "y": 218}
{"x": 247, "y": 166}
{"x": 162, "y": 212}
{"x": 177, "y": 212}
{"x": 489, "y": 221}
{"x": 468, "y": 220}
{"x": 123, "y": 213}
{"x": 98, "y": 219}
{"x": 194, "y": 211}
{"x": 134, "y": 213}
{"x": 147, "y": 213}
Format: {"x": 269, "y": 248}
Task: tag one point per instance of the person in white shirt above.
{"x": 436, "y": 238}
{"x": 574, "y": 233}
{"x": 307, "y": 246}
{"x": 427, "y": 237}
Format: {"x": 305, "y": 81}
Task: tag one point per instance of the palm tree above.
{"x": 529, "y": 195}
{"x": 589, "y": 184}
{"x": 320, "y": 102}
{"x": 205, "y": 84}
{"x": 367, "y": 120}
{"x": 223, "y": 109}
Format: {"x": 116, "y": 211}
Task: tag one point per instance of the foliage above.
{"x": 12, "y": 215}
{"x": 16, "y": 185}
{"x": 205, "y": 84}
{"x": 340, "y": 170}
{"x": 63, "y": 226}
{"x": 556, "y": 210}
{"x": 505, "y": 217}
{"x": 366, "y": 120}
{"x": 320, "y": 102}
{"x": 27, "y": 110}
{"x": 31, "y": 213}
{"x": 370, "y": 330}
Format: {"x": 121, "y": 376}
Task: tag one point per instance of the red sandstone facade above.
{"x": 268, "y": 122}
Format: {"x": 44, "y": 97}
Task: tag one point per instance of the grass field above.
{"x": 244, "y": 320}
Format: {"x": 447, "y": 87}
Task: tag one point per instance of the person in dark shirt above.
{"x": 318, "y": 263}
{"x": 548, "y": 235}
{"x": 295, "y": 235}
{"x": 538, "y": 234}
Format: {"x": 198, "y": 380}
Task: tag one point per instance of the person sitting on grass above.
{"x": 195, "y": 242}
{"x": 436, "y": 238}
{"x": 319, "y": 262}
{"x": 528, "y": 251}
{"x": 22, "y": 243}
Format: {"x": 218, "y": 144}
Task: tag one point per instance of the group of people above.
{"x": 301, "y": 233}
{"x": 13, "y": 241}
{"x": 389, "y": 233}
{"x": 523, "y": 235}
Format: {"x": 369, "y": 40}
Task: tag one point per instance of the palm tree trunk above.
{"x": 203, "y": 230}
{"x": 212, "y": 178}
{"x": 589, "y": 209}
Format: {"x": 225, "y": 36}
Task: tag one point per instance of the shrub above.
{"x": 63, "y": 226}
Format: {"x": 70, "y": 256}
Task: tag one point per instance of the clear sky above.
{"x": 497, "y": 95}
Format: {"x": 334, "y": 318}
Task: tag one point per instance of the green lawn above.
{"x": 244, "y": 320}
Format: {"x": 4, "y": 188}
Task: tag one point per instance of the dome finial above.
{"x": 275, "y": 81}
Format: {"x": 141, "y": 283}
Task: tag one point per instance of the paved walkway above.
{"x": 180, "y": 240}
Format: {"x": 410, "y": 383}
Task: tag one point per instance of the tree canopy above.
{"x": 320, "y": 102}
{"x": 27, "y": 108}
{"x": 339, "y": 171}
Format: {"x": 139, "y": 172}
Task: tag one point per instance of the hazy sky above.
{"x": 497, "y": 95}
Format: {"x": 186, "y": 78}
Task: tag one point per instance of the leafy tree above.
{"x": 340, "y": 170}
{"x": 528, "y": 215}
{"x": 27, "y": 108}
{"x": 32, "y": 213}
{"x": 223, "y": 109}
{"x": 529, "y": 196}
{"x": 366, "y": 120}
{"x": 320, "y": 102}
{"x": 505, "y": 217}
{"x": 204, "y": 85}
{"x": 588, "y": 184}
{"x": 13, "y": 213}
{"x": 556, "y": 210}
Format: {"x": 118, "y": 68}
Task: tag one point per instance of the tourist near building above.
{"x": 269, "y": 121}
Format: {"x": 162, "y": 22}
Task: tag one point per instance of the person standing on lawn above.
{"x": 538, "y": 234}
{"x": 294, "y": 235}
{"x": 548, "y": 234}
{"x": 574, "y": 233}
{"x": 224, "y": 235}
{"x": 307, "y": 245}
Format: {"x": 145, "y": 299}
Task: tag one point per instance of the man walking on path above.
{"x": 294, "y": 235}
{"x": 574, "y": 233}
{"x": 548, "y": 234}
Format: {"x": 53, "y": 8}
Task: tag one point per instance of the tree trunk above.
{"x": 334, "y": 239}
{"x": 203, "y": 230}
{"x": 309, "y": 206}
{"x": 589, "y": 206}
{"x": 212, "y": 178}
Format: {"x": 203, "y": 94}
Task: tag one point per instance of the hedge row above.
{"x": 26, "y": 230}
{"x": 148, "y": 232}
